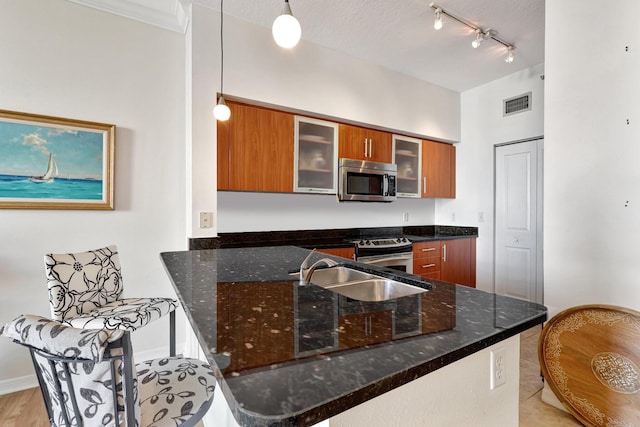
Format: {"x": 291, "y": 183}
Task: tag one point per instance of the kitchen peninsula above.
{"x": 287, "y": 355}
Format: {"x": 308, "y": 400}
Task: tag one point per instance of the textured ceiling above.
{"x": 399, "y": 34}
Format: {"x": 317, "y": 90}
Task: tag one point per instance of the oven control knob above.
{"x": 361, "y": 242}
{"x": 368, "y": 242}
{"x": 375, "y": 243}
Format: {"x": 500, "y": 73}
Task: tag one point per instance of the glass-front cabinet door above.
{"x": 316, "y": 156}
{"x": 407, "y": 155}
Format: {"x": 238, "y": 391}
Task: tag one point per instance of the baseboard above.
{"x": 18, "y": 384}
{"x": 29, "y": 381}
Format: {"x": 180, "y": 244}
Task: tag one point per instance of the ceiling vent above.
{"x": 517, "y": 104}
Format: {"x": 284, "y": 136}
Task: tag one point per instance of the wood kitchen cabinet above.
{"x": 357, "y": 330}
{"x": 364, "y": 144}
{"x": 459, "y": 261}
{"x": 438, "y": 170}
{"x": 349, "y": 253}
{"x": 253, "y": 317}
{"x": 426, "y": 259}
{"x": 255, "y": 150}
{"x": 447, "y": 260}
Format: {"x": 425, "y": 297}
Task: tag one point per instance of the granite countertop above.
{"x": 331, "y": 238}
{"x": 287, "y": 355}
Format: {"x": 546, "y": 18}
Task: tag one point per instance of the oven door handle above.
{"x": 386, "y": 259}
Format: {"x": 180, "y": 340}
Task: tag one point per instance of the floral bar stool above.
{"x": 87, "y": 378}
{"x": 85, "y": 291}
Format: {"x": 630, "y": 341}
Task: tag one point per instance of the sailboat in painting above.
{"x": 49, "y": 174}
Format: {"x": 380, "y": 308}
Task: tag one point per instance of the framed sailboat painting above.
{"x": 55, "y": 163}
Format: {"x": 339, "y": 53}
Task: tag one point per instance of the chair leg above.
{"x": 129, "y": 402}
{"x": 172, "y": 333}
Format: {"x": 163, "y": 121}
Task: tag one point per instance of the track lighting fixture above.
{"x": 221, "y": 111}
{"x": 480, "y": 34}
{"x": 437, "y": 24}
{"x": 286, "y": 28}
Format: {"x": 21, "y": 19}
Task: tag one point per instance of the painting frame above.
{"x": 45, "y": 130}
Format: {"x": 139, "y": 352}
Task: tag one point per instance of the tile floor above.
{"x": 533, "y": 411}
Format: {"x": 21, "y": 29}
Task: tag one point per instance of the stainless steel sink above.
{"x": 361, "y": 286}
{"x": 378, "y": 289}
{"x": 334, "y": 275}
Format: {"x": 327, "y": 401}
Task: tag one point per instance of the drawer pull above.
{"x": 428, "y": 265}
{"x": 428, "y": 249}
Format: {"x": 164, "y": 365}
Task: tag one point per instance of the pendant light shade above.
{"x": 286, "y": 28}
{"x": 221, "y": 112}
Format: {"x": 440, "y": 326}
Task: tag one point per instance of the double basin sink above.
{"x": 361, "y": 286}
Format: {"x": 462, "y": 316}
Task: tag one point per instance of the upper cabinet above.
{"x": 407, "y": 155}
{"x": 255, "y": 150}
{"x": 438, "y": 170}
{"x": 364, "y": 144}
{"x": 316, "y": 156}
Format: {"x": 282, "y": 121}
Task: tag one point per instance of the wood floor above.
{"x": 26, "y": 408}
{"x": 23, "y": 408}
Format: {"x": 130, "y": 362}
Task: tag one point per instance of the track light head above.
{"x": 437, "y": 24}
{"x": 479, "y": 38}
{"x": 510, "y": 56}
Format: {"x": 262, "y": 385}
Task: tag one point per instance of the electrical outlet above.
{"x": 453, "y": 217}
{"x": 206, "y": 219}
{"x": 498, "y": 368}
{"x": 405, "y": 217}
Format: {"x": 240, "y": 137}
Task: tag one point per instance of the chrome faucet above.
{"x": 306, "y": 271}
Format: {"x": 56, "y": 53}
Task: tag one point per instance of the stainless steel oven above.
{"x": 393, "y": 252}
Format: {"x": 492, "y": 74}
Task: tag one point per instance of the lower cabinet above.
{"x": 451, "y": 260}
{"x": 459, "y": 261}
{"x": 356, "y": 330}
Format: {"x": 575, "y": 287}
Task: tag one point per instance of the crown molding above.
{"x": 173, "y": 18}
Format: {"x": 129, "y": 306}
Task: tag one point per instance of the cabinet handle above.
{"x": 370, "y": 149}
{"x": 367, "y": 325}
{"x": 444, "y": 251}
{"x": 428, "y": 249}
{"x": 365, "y": 147}
{"x": 424, "y": 184}
{"x": 428, "y": 266}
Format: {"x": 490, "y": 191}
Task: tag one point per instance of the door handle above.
{"x": 444, "y": 253}
{"x": 428, "y": 266}
{"x": 370, "y": 149}
{"x": 424, "y": 184}
{"x": 428, "y": 249}
{"x": 365, "y": 147}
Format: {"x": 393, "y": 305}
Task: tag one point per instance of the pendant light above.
{"x": 221, "y": 112}
{"x": 286, "y": 28}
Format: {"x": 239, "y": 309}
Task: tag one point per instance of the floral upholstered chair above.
{"x": 87, "y": 378}
{"x": 85, "y": 291}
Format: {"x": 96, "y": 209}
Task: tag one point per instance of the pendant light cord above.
{"x": 221, "y": 47}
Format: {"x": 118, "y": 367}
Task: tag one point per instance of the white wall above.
{"x": 591, "y": 246}
{"x": 66, "y": 60}
{"x": 483, "y": 126}
{"x": 325, "y": 82}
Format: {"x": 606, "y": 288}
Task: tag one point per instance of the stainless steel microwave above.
{"x": 360, "y": 180}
